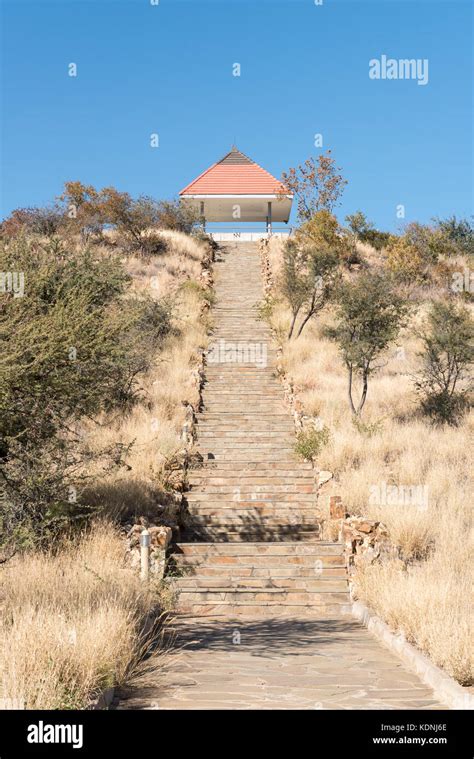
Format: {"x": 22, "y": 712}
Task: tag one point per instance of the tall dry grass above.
{"x": 153, "y": 427}
{"x": 428, "y": 596}
{"x": 72, "y": 623}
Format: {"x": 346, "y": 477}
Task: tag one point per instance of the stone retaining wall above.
{"x": 162, "y": 533}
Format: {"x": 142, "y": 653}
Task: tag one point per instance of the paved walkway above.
{"x": 278, "y": 664}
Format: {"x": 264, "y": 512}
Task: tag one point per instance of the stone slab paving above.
{"x": 277, "y": 664}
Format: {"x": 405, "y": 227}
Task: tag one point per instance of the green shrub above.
{"x": 445, "y": 380}
{"x": 459, "y": 232}
{"x": 364, "y": 230}
{"x": 369, "y": 314}
{"x": 367, "y": 429}
{"x": 310, "y": 442}
{"x": 73, "y": 345}
{"x": 206, "y": 294}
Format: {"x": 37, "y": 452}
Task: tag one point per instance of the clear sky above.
{"x": 168, "y": 69}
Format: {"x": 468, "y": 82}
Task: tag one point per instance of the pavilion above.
{"x": 236, "y": 189}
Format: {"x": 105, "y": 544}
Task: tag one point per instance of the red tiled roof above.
{"x": 235, "y": 174}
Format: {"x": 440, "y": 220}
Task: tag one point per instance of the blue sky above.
{"x": 167, "y": 69}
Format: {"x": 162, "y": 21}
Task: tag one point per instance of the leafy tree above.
{"x": 370, "y": 313}
{"x": 172, "y": 214}
{"x": 317, "y": 185}
{"x": 364, "y": 230}
{"x": 82, "y": 209}
{"x": 89, "y": 211}
{"x": 46, "y": 222}
{"x": 445, "y": 382}
{"x": 460, "y": 232}
{"x": 359, "y": 224}
{"x": 295, "y": 284}
{"x": 308, "y": 279}
{"x": 376, "y": 238}
{"x": 323, "y": 265}
{"x": 74, "y": 345}
{"x": 323, "y": 230}
{"x": 405, "y": 260}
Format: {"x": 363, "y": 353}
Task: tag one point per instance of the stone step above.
{"x": 208, "y": 480}
{"x": 244, "y": 403}
{"x": 216, "y": 406}
{"x": 238, "y": 514}
{"x": 235, "y": 563}
{"x": 242, "y": 456}
{"x": 229, "y": 382}
{"x": 263, "y": 596}
{"x": 250, "y": 528}
{"x": 233, "y": 496}
{"x": 246, "y": 447}
{"x": 251, "y": 466}
{"x": 246, "y": 432}
{"x": 237, "y": 396}
{"x": 265, "y": 490}
{"x": 234, "y": 570}
{"x": 233, "y": 372}
{"x": 261, "y": 499}
{"x": 281, "y": 611}
{"x": 250, "y": 427}
{"x": 317, "y": 549}
{"x": 205, "y": 583}
{"x": 248, "y": 512}
{"x": 232, "y": 417}
{"x": 251, "y": 533}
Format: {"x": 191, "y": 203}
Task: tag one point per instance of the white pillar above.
{"x": 144, "y": 555}
{"x": 269, "y": 218}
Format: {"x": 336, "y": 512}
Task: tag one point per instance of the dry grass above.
{"x": 154, "y": 426}
{"x": 72, "y": 623}
{"x": 430, "y": 600}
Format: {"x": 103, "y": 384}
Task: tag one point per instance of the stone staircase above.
{"x": 251, "y": 545}
{"x": 261, "y": 599}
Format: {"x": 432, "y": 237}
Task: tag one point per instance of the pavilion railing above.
{"x": 249, "y": 233}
